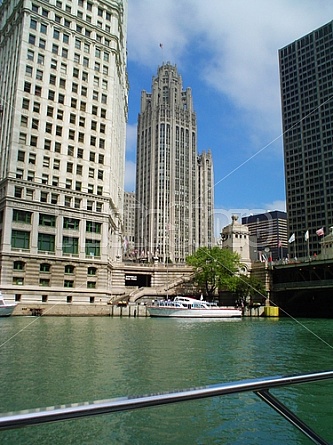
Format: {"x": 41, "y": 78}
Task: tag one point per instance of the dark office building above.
{"x": 306, "y": 76}
{"x": 268, "y": 235}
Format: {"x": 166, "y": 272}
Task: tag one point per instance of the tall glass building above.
{"x": 174, "y": 185}
{"x": 306, "y": 76}
{"x": 63, "y": 98}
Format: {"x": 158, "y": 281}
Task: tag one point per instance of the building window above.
{"x": 68, "y": 201}
{"x": 69, "y": 283}
{"x": 33, "y": 143}
{"x": 69, "y": 269}
{"x": 71, "y": 223}
{"x": 25, "y": 104}
{"x": 33, "y": 24}
{"x": 44, "y": 282}
{"x": 47, "y": 220}
{"x": 93, "y": 227}
{"x": 32, "y": 39}
{"x": 22, "y": 216}
{"x": 43, "y": 28}
{"x": 40, "y": 59}
{"x": 46, "y": 242}
{"x": 20, "y": 239}
{"x": 91, "y": 285}
{"x": 36, "y": 107}
{"x": 43, "y": 196}
{"x": 24, "y": 121}
{"x": 54, "y": 197}
{"x": 70, "y": 245}
{"x": 18, "y": 265}
{"x": 93, "y": 248}
{"x": 92, "y": 271}
{"x": 18, "y": 192}
{"x": 44, "y": 298}
{"x": 27, "y": 87}
{"x": 45, "y": 267}
{"x": 18, "y": 280}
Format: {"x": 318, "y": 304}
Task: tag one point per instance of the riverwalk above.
{"x": 104, "y": 310}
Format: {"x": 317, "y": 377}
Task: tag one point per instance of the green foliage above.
{"x": 214, "y": 268}
{"x": 247, "y": 287}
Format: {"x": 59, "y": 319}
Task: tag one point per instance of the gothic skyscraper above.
{"x": 174, "y": 186}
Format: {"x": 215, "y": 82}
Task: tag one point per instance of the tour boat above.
{"x": 6, "y": 309}
{"x": 186, "y": 307}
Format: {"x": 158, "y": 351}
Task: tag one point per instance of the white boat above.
{"x": 186, "y": 307}
{"x": 6, "y": 309}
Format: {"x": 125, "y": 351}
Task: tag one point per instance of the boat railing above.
{"x": 261, "y": 387}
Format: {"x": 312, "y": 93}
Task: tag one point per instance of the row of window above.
{"x": 68, "y": 24}
{"x": 46, "y": 243}
{"x": 36, "y": 108}
{"x": 54, "y": 198}
{"x": 47, "y": 282}
{"x": 44, "y": 298}
{"x": 46, "y": 268}
{"x": 87, "y": 5}
{"x": 25, "y": 217}
{"x": 74, "y": 102}
{"x": 57, "y": 130}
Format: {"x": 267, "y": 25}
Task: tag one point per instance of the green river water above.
{"x": 49, "y": 361}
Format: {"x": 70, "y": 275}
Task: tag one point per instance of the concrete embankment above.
{"x": 80, "y": 310}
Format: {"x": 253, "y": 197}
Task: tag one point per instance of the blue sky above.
{"x": 227, "y": 52}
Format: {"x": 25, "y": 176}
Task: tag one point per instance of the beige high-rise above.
{"x": 63, "y": 97}
{"x": 174, "y": 186}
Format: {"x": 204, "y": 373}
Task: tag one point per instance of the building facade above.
{"x": 129, "y": 226}
{"x": 63, "y": 95}
{"x": 236, "y": 238}
{"x": 170, "y": 175}
{"x": 205, "y": 190}
{"x": 306, "y": 72}
{"x": 269, "y": 235}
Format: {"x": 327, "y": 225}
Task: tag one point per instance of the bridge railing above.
{"x": 260, "y": 387}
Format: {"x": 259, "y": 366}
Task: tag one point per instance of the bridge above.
{"x": 303, "y": 288}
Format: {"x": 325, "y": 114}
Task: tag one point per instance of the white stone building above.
{"x": 63, "y": 97}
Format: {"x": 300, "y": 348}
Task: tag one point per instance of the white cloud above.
{"x": 276, "y": 205}
{"x": 130, "y": 174}
{"x": 131, "y": 134}
{"x": 237, "y": 43}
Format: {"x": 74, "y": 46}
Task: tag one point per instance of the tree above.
{"x": 214, "y": 268}
{"x": 247, "y": 288}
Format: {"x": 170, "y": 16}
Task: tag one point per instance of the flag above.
{"x": 320, "y": 232}
{"x": 306, "y": 236}
{"x": 292, "y": 238}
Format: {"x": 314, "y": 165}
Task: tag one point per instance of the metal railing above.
{"x": 260, "y": 387}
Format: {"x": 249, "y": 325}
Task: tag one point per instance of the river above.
{"x": 47, "y": 361}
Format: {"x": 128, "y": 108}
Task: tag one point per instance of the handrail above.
{"x": 260, "y": 387}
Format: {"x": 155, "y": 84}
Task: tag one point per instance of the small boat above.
{"x": 6, "y": 309}
{"x": 186, "y": 307}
